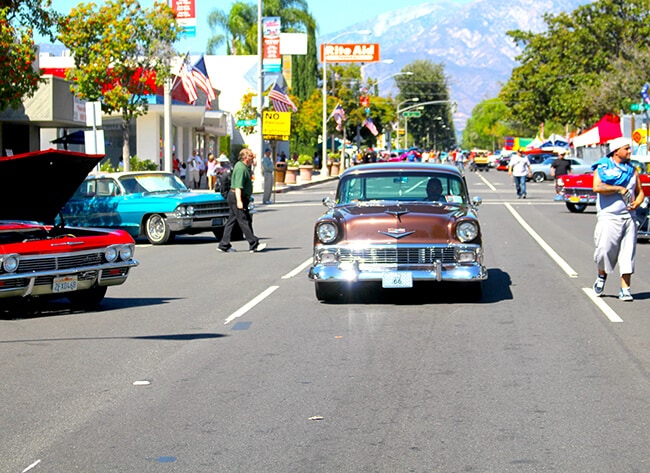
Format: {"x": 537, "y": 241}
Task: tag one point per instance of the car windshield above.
{"x": 139, "y": 183}
{"x": 401, "y": 186}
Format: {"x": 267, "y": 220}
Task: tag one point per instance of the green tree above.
{"x": 486, "y": 128}
{"x": 237, "y": 29}
{"x": 122, "y": 52}
{"x": 428, "y": 83}
{"x": 580, "y": 67}
{"x": 18, "y": 20}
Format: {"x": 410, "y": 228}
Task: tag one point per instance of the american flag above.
{"x": 368, "y": 123}
{"x": 187, "y": 82}
{"x": 281, "y": 101}
{"x": 202, "y": 81}
{"x": 339, "y": 116}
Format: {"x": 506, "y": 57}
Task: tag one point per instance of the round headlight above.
{"x": 327, "y": 232}
{"x": 126, "y": 252}
{"x": 10, "y": 263}
{"x": 190, "y": 210}
{"x": 467, "y": 231}
{"x": 110, "y": 254}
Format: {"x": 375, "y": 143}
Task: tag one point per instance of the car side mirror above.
{"x": 328, "y": 202}
{"x": 476, "y": 201}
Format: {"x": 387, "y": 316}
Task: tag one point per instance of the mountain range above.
{"x": 468, "y": 38}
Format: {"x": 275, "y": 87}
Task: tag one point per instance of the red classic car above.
{"x": 396, "y": 224}
{"x": 578, "y": 193}
{"x": 39, "y": 258}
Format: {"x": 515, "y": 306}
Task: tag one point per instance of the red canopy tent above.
{"x": 607, "y": 128}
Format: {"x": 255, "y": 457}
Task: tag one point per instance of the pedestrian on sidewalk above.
{"x": 619, "y": 193}
{"x": 239, "y": 196}
{"x": 519, "y": 169}
{"x": 267, "y": 169}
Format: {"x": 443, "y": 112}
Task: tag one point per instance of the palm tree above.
{"x": 239, "y": 25}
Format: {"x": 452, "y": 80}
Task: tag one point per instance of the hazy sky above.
{"x": 331, "y": 15}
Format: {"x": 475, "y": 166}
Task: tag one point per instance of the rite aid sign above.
{"x": 350, "y": 52}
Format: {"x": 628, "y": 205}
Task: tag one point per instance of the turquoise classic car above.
{"x": 152, "y": 204}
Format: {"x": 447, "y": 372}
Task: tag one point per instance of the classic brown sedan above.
{"x": 397, "y": 223}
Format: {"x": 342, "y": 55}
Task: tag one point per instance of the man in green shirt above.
{"x": 239, "y": 196}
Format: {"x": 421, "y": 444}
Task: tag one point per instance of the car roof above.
{"x": 118, "y": 175}
{"x": 394, "y": 167}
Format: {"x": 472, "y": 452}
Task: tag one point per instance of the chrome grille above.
{"x": 210, "y": 209}
{"x": 31, "y": 264}
{"x": 402, "y": 256}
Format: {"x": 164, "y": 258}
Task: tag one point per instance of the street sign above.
{"x": 401, "y": 131}
{"x": 414, "y": 114}
{"x": 276, "y": 125}
{"x": 252, "y": 122}
{"x": 639, "y": 107}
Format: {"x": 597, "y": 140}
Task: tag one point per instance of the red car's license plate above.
{"x": 64, "y": 284}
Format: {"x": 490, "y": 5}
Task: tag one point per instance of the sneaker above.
{"x": 625, "y": 295}
{"x": 599, "y": 285}
{"x": 225, "y": 250}
{"x": 260, "y": 247}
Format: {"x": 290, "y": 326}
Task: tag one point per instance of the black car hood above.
{"x": 36, "y": 185}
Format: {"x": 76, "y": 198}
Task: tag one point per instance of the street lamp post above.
{"x": 362, "y": 68}
{"x": 415, "y": 99}
{"x": 324, "y": 137}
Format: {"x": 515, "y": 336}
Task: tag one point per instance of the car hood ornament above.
{"x": 397, "y": 233}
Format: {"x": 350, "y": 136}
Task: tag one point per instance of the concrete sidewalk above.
{"x": 281, "y": 187}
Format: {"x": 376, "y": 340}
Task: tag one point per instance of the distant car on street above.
{"x": 542, "y": 171}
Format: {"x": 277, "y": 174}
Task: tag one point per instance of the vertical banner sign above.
{"x": 186, "y": 16}
{"x": 272, "y": 60}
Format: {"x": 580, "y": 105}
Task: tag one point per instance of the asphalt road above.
{"x": 210, "y": 362}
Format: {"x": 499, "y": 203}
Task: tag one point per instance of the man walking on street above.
{"x": 267, "y": 169}
{"x": 239, "y": 196}
{"x": 560, "y": 167}
{"x": 519, "y": 169}
{"x": 619, "y": 191}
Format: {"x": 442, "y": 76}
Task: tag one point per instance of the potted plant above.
{"x": 293, "y": 166}
{"x": 336, "y": 162}
{"x": 306, "y": 166}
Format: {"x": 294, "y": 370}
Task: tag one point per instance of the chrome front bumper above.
{"x": 338, "y": 264}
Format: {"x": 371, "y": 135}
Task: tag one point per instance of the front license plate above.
{"x": 217, "y": 222}
{"x": 64, "y": 284}
{"x": 574, "y": 199}
{"x": 397, "y": 279}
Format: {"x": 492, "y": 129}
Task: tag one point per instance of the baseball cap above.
{"x": 618, "y": 143}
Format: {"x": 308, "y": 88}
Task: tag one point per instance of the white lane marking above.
{"x": 248, "y": 306}
{"x": 605, "y": 309}
{"x": 31, "y": 466}
{"x": 545, "y": 246}
{"x": 298, "y": 270}
{"x": 487, "y": 183}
